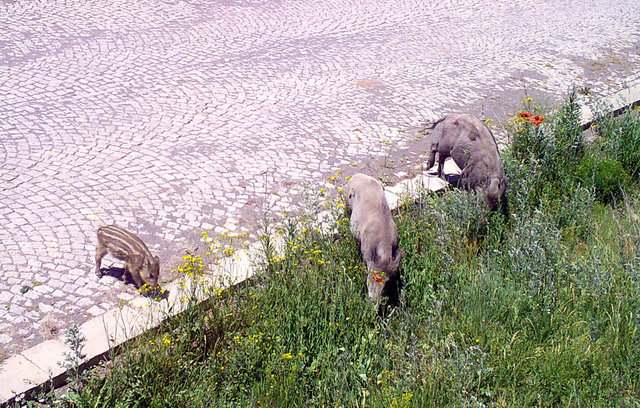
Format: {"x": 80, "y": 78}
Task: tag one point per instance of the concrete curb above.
{"x": 38, "y": 367}
{"x": 615, "y": 103}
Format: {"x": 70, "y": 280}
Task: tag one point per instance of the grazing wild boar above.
{"x": 375, "y": 231}
{"x": 472, "y": 146}
{"x": 141, "y": 265}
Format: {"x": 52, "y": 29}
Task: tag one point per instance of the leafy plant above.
{"x": 605, "y": 175}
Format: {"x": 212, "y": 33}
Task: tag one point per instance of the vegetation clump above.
{"x": 536, "y": 308}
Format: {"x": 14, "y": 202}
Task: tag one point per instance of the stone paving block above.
{"x": 95, "y": 310}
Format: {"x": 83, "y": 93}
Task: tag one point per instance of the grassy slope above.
{"x": 540, "y": 309}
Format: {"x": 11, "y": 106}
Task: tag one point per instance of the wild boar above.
{"x": 141, "y": 265}
{"x": 472, "y": 146}
{"x": 374, "y": 229}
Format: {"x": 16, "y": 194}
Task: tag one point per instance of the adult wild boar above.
{"x": 374, "y": 229}
{"x": 472, "y": 146}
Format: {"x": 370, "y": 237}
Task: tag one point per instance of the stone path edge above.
{"x": 615, "y": 103}
{"x": 38, "y": 367}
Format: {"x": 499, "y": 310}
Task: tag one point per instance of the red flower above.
{"x": 376, "y": 278}
{"x": 536, "y": 120}
{"x": 525, "y": 115}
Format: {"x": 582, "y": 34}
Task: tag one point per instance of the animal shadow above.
{"x": 123, "y": 275}
{"x": 117, "y": 273}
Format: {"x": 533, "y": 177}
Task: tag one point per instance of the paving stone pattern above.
{"x": 170, "y": 117}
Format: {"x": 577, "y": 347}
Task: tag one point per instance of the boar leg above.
{"x": 134, "y": 266}
{"x": 135, "y": 274}
{"x": 432, "y": 155}
{"x": 101, "y": 251}
{"x": 441, "y": 158}
{"x": 127, "y": 270}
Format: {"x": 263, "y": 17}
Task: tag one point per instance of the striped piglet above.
{"x": 141, "y": 265}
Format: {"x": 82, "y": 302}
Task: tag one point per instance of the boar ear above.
{"x": 156, "y": 259}
{"x": 397, "y": 259}
{"x": 138, "y": 260}
{"x": 494, "y": 187}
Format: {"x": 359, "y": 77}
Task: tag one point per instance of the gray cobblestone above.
{"x": 84, "y": 292}
{"x": 44, "y": 308}
{"x": 16, "y": 310}
{"x": 85, "y": 302}
{"x": 95, "y": 311}
{"x": 169, "y": 118}
{"x": 31, "y": 295}
{"x": 40, "y": 290}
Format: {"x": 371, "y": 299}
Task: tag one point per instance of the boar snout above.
{"x": 382, "y": 279}
{"x": 375, "y": 286}
{"x": 151, "y": 273}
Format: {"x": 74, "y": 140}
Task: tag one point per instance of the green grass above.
{"x": 537, "y": 309}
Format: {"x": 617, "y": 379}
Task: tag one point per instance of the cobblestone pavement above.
{"x": 170, "y": 117}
